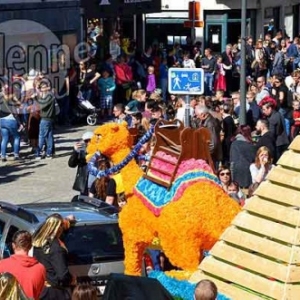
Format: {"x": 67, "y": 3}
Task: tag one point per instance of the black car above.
{"x": 94, "y": 244}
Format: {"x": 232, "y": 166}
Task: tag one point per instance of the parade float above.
{"x": 178, "y": 204}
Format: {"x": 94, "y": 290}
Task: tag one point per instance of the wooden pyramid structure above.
{"x": 258, "y": 256}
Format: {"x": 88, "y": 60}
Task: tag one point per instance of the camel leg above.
{"x": 183, "y": 252}
{"x": 138, "y": 227}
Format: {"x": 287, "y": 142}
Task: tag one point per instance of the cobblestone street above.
{"x": 45, "y": 180}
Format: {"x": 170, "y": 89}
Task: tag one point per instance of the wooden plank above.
{"x": 261, "y": 245}
{"x": 258, "y": 264}
{"x": 231, "y": 291}
{"x": 278, "y": 193}
{"x": 242, "y": 277}
{"x": 267, "y": 228}
{"x": 287, "y": 214}
{"x": 290, "y": 159}
{"x": 295, "y": 145}
{"x": 284, "y": 176}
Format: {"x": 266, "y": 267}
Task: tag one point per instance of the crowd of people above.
{"x": 131, "y": 85}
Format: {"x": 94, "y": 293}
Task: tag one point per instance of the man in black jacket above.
{"x": 266, "y": 137}
{"x": 77, "y": 159}
{"x": 277, "y": 128}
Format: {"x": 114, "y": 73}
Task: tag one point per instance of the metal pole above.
{"x": 242, "y": 117}
{"x": 193, "y": 33}
{"x": 134, "y": 27}
{"x": 187, "y": 111}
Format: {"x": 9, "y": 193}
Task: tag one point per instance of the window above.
{"x": 8, "y": 250}
{"x": 94, "y": 244}
{"x": 2, "y": 225}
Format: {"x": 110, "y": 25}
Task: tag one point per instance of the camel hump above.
{"x": 175, "y": 143}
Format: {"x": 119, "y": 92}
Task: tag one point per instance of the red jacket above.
{"x": 123, "y": 73}
{"x": 28, "y": 271}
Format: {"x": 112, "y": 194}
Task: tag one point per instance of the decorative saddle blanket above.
{"x": 155, "y": 196}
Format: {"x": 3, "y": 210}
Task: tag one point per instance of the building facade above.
{"x": 60, "y": 17}
{"x": 222, "y": 21}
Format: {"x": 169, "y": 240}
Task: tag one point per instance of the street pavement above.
{"x": 42, "y": 180}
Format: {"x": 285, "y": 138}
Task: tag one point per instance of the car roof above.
{"x": 82, "y": 212}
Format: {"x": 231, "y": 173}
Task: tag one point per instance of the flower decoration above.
{"x": 184, "y": 227}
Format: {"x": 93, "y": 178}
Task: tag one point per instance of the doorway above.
{"x": 214, "y": 37}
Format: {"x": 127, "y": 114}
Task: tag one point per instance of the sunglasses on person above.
{"x": 224, "y": 173}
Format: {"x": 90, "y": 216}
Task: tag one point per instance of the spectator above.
{"x": 30, "y": 274}
{"x": 106, "y": 86}
{"x": 83, "y": 179}
{"x": 262, "y": 165}
{"x": 46, "y": 101}
{"x": 254, "y": 113}
{"x": 227, "y": 60}
{"x": 163, "y": 76}
{"x": 124, "y": 78}
{"x": 10, "y": 288}
{"x": 87, "y": 77}
{"x": 9, "y": 126}
{"x": 209, "y": 122}
{"x": 266, "y": 138}
{"x": 136, "y": 105}
{"x": 120, "y": 115}
{"x": 187, "y": 61}
{"x": 296, "y": 119}
{"x": 228, "y": 130}
{"x": 151, "y": 82}
{"x": 262, "y": 90}
{"x": 260, "y": 168}
{"x": 220, "y": 73}
{"x": 84, "y": 291}
{"x": 276, "y": 126}
{"x": 52, "y": 253}
{"x": 235, "y": 193}
{"x": 242, "y": 154}
{"x": 206, "y": 290}
{"x": 104, "y": 188}
{"x": 209, "y": 66}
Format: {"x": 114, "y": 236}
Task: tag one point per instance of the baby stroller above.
{"x": 88, "y": 108}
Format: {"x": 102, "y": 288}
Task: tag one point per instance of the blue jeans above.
{"x": 208, "y": 82}
{"x": 9, "y": 128}
{"x": 46, "y": 137}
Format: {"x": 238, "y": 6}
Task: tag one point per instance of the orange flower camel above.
{"x": 201, "y": 212}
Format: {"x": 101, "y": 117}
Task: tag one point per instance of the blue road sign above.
{"x": 186, "y": 81}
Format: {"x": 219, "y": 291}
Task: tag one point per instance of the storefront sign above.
{"x": 115, "y": 8}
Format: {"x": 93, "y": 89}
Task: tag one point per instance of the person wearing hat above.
{"x": 78, "y": 159}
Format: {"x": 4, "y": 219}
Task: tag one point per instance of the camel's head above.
{"x": 109, "y": 139}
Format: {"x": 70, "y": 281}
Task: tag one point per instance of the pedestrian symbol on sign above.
{"x": 176, "y": 82}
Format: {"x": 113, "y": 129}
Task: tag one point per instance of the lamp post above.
{"x": 242, "y": 117}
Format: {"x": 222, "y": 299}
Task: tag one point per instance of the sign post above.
{"x": 186, "y": 81}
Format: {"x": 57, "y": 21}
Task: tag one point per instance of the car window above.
{"x": 2, "y": 225}
{"x": 8, "y": 242}
{"x": 94, "y": 244}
